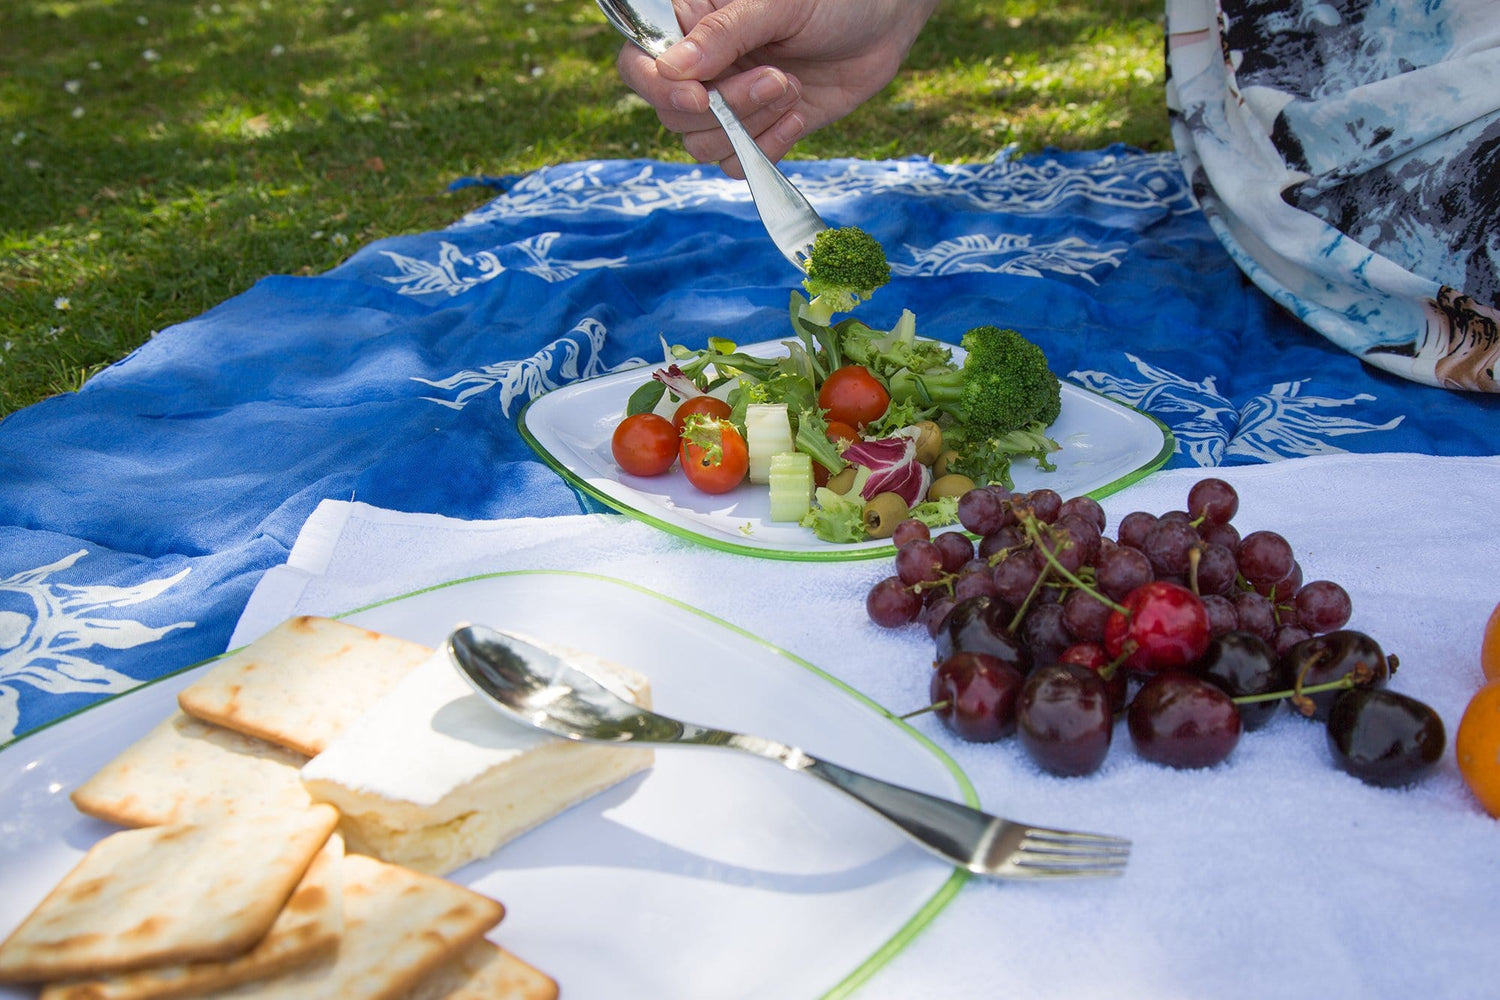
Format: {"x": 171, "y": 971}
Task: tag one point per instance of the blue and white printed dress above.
{"x": 1347, "y": 153}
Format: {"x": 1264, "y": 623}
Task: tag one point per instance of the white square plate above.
{"x": 1106, "y": 446}
{"x": 712, "y": 874}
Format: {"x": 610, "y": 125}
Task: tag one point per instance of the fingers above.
{"x": 724, "y": 35}
{"x": 712, "y": 145}
{"x": 766, "y": 100}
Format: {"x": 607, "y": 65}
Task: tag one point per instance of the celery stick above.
{"x": 768, "y": 431}
{"x": 791, "y": 480}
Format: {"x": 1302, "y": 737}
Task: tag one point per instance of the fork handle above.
{"x": 786, "y": 212}
{"x": 954, "y": 832}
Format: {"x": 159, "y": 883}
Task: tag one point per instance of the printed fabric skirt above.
{"x": 1347, "y": 153}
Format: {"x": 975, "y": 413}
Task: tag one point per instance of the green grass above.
{"x": 160, "y": 156}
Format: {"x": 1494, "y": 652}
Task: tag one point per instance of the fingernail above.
{"x": 768, "y": 89}
{"x": 682, "y": 57}
{"x": 686, "y": 99}
{"x": 790, "y": 128}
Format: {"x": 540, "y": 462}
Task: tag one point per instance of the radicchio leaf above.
{"x": 677, "y": 381}
{"x": 893, "y": 466}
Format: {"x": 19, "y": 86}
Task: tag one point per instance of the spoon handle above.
{"x": 788, "y": 216}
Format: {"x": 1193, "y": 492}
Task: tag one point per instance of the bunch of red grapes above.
{"x": 1049, "y": 629}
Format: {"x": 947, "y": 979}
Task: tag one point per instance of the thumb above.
{"x": 723, "y": 36}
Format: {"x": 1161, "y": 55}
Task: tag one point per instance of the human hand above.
{"x": 787, "y": 67}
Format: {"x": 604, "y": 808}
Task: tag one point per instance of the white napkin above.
{"x": 1272, "y": 875}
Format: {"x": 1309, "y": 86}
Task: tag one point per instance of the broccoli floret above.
{"x": 844, "y": 266}
{"x": 1007, "y": 383}
{"x": 1004, "y": 385}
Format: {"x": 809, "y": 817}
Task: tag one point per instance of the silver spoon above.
{"x": 789, "y": 219}
{"x": 541, "y": 689}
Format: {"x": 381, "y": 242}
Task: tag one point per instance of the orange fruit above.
{"x": 1489, "y": 650}
{"x": 1477, "y": 747}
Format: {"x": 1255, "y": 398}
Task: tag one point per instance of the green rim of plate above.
{"x": 832, "y": 554}
{"x": 934, "y": 904}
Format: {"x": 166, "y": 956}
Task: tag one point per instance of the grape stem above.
{"x": 1035, "y": 535}
{"x": 1036, "y": 588}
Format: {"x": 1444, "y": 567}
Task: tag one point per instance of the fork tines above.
{"x": 1067, "y": 854}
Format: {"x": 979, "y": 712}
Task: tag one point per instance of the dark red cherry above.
{"x": 978, "y": 625}
{"x": 1182, "y": 720}
{"x": 1330, "y": 657}
{"x": 1384, "y": 738}
{"x": 977, "y": 695}
{"x": 1064, "y": 719}
{"x": 1243, "y": 664}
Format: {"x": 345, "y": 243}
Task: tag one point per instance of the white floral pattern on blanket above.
{"x": 1279, "y": 423}
{"x": 45, "y": 647}
{"x": 567, "y": 359}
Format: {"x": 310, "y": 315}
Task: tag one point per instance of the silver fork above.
{"x": 982, "y": 843}
{"x": 788, "y": 217}
{"x": 540, "y": 688}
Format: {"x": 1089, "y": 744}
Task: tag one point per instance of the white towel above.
{"x": 1273, "y": 875}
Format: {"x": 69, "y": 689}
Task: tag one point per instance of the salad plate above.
{"x": 1106, "y": 446}
{"x": 710, "y": 874}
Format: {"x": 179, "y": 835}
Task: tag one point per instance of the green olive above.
{"x": 940, "y": 465}
{"x": 841, "y": 480}
{"x": 883, "y": 512}
{"x": 929, "y": 441}
{"x": 951, "y": 485}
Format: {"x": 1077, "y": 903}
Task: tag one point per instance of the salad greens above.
{"x": 990, "y": 409}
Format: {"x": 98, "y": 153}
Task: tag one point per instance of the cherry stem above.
{"x": 934, "y": 707}
{"x": 1354, "y": 678}
{"x": 1035, "y": 535}
{"x": 1111, "y": 668}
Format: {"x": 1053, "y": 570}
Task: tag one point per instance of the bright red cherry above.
{"x": 1164, "y": 625}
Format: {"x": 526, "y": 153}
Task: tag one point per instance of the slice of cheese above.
{"x": 432, "y": 776}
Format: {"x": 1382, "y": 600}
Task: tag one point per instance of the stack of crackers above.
{"x": 230, "y": 881}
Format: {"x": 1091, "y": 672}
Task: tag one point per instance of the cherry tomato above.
{"x": 853, "y": 396}
{"x": 1489, "y": 650}
{"x": 714, "y": 457}
{"x": 840, "y": 431}
{"x": 1477, "y": 747}
{"x": 711, "y": 406}
{"x": 644, "y": 444}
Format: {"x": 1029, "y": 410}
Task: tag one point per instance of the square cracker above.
{"x": 185, "y": 770}
{"x": 182, "y": 892}
{"x": 399, "y": 926}
{"x": 308, "y": 928}
{"x": 485, "y": 971}
{"x": 301, "y": 683}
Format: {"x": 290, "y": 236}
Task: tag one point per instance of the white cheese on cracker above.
{"x": 432, "y": 776}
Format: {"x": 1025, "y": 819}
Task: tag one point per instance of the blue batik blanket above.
{"x": 137, "y": 514}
